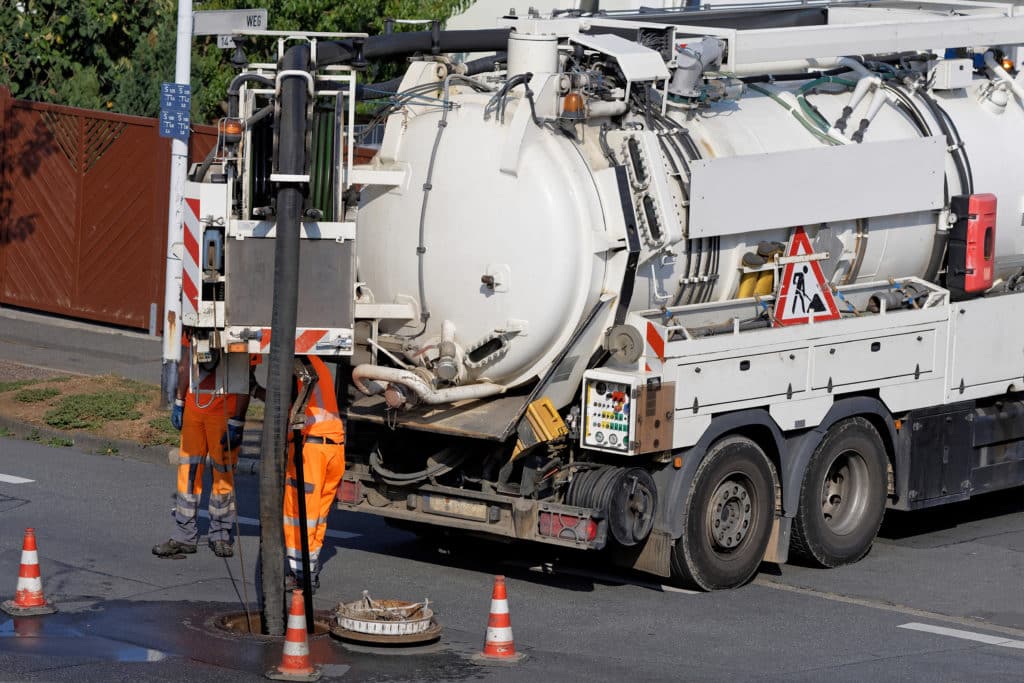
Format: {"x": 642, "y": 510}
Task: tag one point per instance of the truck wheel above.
{"x": 842, "y": 497}
{"x": 727, "y": 517}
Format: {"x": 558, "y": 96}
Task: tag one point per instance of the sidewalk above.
{"x": 36, "y": 346}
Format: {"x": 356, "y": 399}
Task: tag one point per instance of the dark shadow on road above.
{"x": 899, "y": 525}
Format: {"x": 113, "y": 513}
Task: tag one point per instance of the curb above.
{"x": 163, "y": 454}
{"x": 96, "y": 445}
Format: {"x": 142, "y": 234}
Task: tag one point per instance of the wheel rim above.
{"x": 730, "y": 513}
{"x": 844, "y": 492}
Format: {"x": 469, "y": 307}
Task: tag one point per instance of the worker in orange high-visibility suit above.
{"x": 211, "y": 424}
{"x": 323, "y": 464}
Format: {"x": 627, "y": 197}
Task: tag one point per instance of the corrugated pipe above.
{"x": 290, "y": 160}
{"x": 368, "y": 378}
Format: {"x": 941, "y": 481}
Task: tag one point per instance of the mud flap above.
{"x": 778, "y": 544}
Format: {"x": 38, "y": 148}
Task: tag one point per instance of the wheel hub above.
{"x": 843, "y": 497}
{"x": 730, "y": 514}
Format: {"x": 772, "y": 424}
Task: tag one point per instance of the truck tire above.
{"x": 727, "y": 518}
{"x": 842, "y": 496}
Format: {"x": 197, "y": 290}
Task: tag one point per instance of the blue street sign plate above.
{"x": 175, "y": 104}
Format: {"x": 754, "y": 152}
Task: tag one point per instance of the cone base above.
{"x": 481, "y": 658}
{"x": 276, "y": 674}
{"x": 15, "y": 610}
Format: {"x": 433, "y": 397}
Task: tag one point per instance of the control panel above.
{"x": 608, "y": 421}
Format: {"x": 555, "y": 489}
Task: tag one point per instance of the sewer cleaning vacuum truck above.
{"x": 702, "y": 288}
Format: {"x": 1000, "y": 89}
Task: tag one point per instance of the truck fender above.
{"x": 673, "y": 484}
{"x": 799, "y": 448}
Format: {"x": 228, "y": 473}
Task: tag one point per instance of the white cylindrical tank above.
{"x": 515, "y": 260}
{"x": 509, "y": 259}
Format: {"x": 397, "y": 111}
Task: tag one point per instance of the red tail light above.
{"x": 566, "y": 526}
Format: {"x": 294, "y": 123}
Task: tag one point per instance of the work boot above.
{"x": 172, "y": 547}
{"x": 221, "y": 548}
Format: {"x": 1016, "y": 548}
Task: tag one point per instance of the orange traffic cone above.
{"x": 295, "y": 664}
{"x": 499, "y": 645}
{"x": 28, "y": 597}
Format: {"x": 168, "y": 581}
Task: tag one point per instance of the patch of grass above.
{"x": 36, "y": 395}
{"x": 60, "y": 442}
{"x": 108, "y": 449}
{"x": 163, "y": 432}
{"x": 4, "y": 431}
{"x": 91, "y": 411}
{"x": 256, "y": 411}
{"x": 33, "y": 435}
{"x": 16, "y": 384}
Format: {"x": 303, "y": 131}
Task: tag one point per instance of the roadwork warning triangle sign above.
{"x": 804, "y": 293}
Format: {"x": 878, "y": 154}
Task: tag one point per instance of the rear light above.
{"x": 568, "y": 527}
{"x": 350, "y": 492}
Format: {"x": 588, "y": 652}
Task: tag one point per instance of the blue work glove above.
{"x": 177, "y": 413}
{"x": 233, "y": 437}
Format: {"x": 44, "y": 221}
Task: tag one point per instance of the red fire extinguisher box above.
{"x": 972, "y": 245}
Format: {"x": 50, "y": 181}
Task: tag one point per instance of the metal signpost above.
{"x": 175, "y": 100}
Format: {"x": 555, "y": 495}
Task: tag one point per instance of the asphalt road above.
{"x": 67, "y": 345}
{"x": 938, "y": 599}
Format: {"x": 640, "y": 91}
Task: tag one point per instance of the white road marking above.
{"x": 11, "y": 479}
{"x": 905, "y": 610}
{"x": 965, "y": 635}
{"x": 250, "y": 521}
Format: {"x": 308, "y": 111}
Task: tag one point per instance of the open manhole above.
{"x": 251, "y": 625}
{"x": 385, "y": 622}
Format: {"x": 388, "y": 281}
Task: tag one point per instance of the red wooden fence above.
{"x": 83, "y": 211}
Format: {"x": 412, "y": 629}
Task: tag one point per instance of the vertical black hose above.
{"x": 291, "y": 159}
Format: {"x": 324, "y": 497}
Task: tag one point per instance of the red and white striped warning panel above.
{"x": 320, "y": 341}
{"x": 804, "y": 295}
{"x": 654, "y": 348}
{"x": 191, "y": 278}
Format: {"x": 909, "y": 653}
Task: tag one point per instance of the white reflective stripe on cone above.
{"x": 295, "y": 649}
{"x": 499, "y": 606}
{"x": 32, "y": 584}
{"x": 29, "y": 557}
{"x": 297, "y": 621}
{"x": 501, "y": 634}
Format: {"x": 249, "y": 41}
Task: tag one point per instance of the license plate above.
{"x": 443, "y": 505}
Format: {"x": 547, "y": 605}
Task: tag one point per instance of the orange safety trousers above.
{"x": 322, "y": 468}
{"x": 323, "y": 464}
{"x": 205, "y": 432}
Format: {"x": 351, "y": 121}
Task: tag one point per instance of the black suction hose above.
{"x": 291, "y": 160}
{"x": 400, "y": 44}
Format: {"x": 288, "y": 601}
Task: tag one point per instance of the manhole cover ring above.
{"x": 431, "y": 634}
{"x": 234, "y": 624}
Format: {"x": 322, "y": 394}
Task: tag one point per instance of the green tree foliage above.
{"x": 82, "y": 52}
{"x": 113, "y": 54}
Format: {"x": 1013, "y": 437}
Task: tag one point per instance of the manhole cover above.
{"x": 385, "y": 622}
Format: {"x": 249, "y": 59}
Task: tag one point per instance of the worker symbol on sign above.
{"x": 803, "y": 294}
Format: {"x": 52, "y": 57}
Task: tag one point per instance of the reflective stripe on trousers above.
{"x": 323, "y": 466}
{"x": 201, "y": 434}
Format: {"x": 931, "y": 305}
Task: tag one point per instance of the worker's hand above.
{"x": 177, "y": 413}
{"x": 233, "y": 437}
